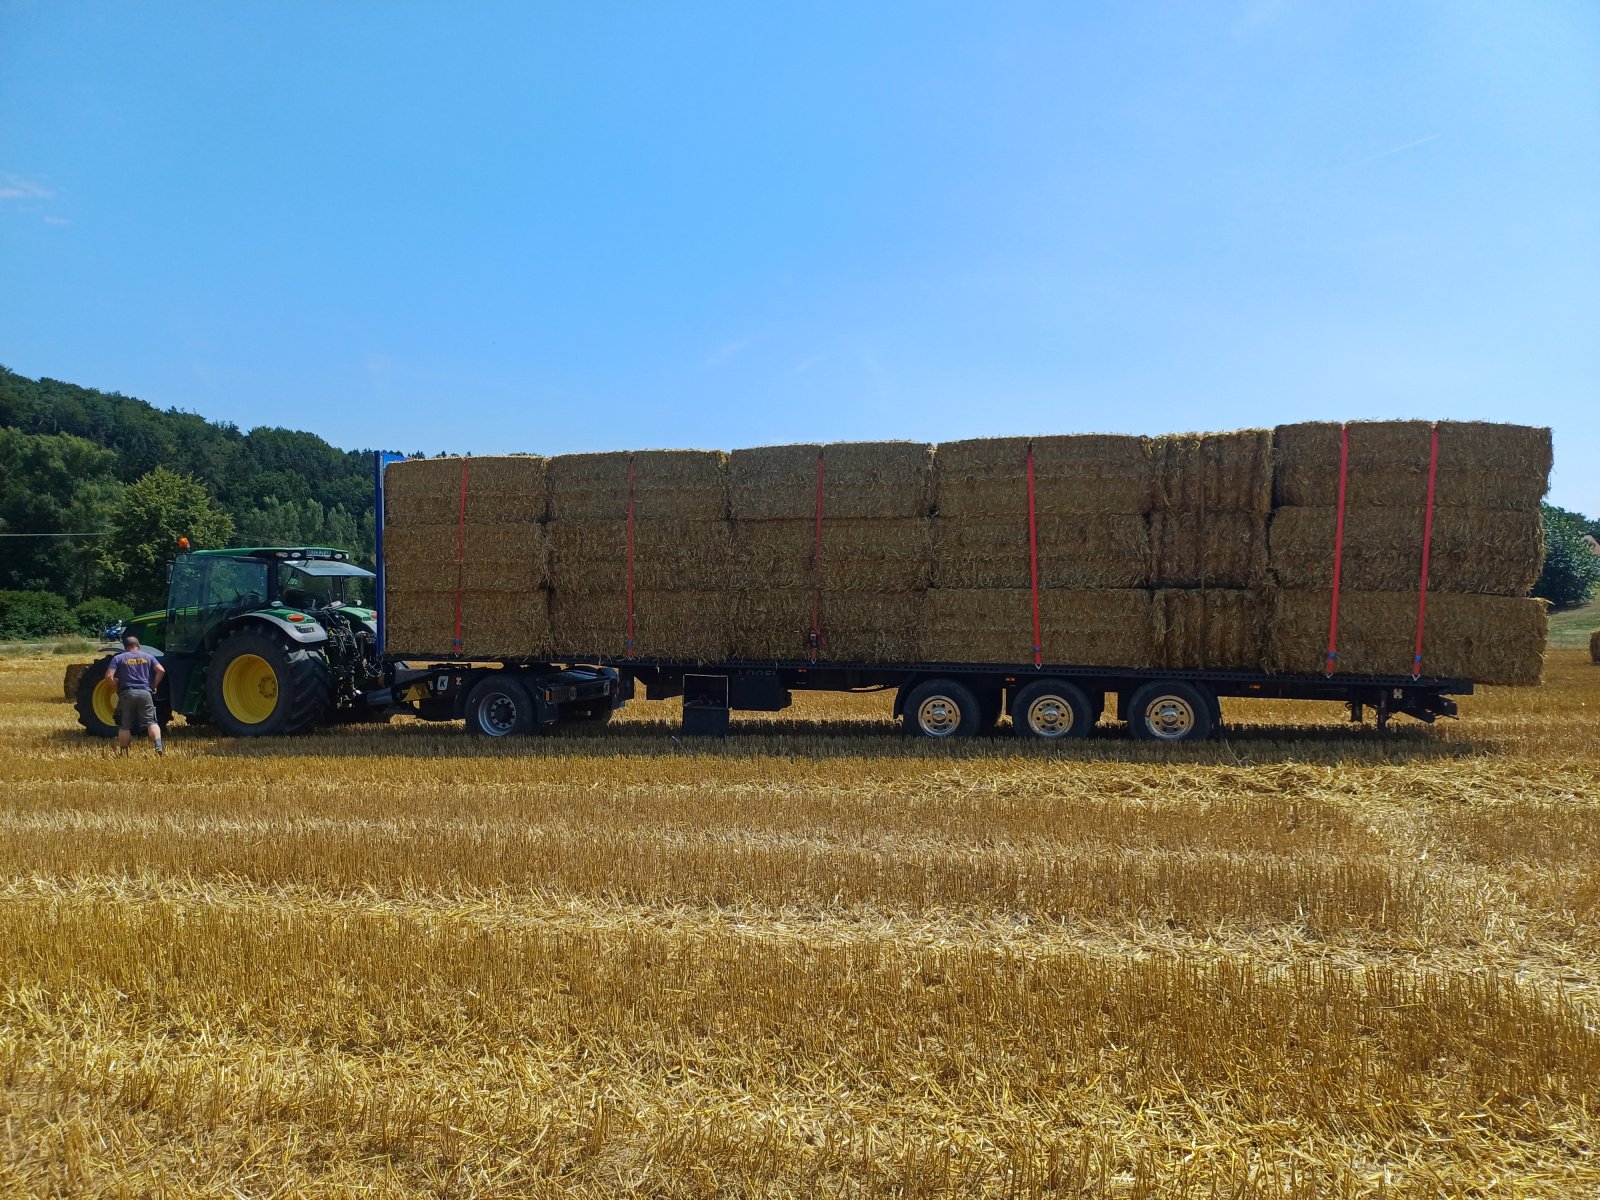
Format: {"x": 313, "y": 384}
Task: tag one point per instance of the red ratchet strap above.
{"x": 1427, "y": 546}
{"x": 461, "y": 549}
{"x": 815, "y": 636}
{"x": 1338, "y": 548}
{"x": 629, "y": 643}
{"x": 1033, "y": 562}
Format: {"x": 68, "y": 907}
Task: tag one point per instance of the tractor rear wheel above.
{"x": 257, "y": 686}
{"x": 97, "y": 700}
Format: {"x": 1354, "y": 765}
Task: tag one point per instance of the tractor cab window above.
{"x": 186, "y": 589}
{"x": 238, "y": 582}
{"x": 297, "y": 589}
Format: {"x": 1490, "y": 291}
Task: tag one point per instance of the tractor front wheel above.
{"x": 257, "y": 686}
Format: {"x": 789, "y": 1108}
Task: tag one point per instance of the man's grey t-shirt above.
{"x": 133, "y": 668}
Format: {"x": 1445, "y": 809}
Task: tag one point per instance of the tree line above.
{"x": 115, "y": 481}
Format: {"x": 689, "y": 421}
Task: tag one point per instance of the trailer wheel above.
{"x": 498, "y": 707}
{"x": 1051, "y": 708}
{"x": 1171, "y": 712}
{"x": 942, "y": 708}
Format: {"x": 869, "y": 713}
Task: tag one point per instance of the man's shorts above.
{"x": 136, "y": 710}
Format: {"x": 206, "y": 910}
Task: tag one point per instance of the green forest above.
{"x": 123, "y": 479}
{"x": 96, "y": 487}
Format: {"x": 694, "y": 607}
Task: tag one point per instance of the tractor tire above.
{"x": 259, "y": 686}
{"x": 96, "y": 700}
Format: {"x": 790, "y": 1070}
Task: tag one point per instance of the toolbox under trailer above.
{"x": 507, "y": 697}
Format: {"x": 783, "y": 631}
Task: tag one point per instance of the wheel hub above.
{"x": 1050, "y": 717}
{"x": 250, "y": 689}
{"x": 939, "y": 716}
{"x": 498, "y": 716}
{"x": 1169, "y": 717}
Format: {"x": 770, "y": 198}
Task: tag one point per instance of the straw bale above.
{"x": 494, "y": 624}
{"x": 1209, "y": 549}
{"x": 1076, "y": 550}
{"x": 860, "y": 480}
{"x": 422, "y": 558}
{"x": 890, "y": 555}
{"x": 1491, "y": 639}
{"x": 1215, "y": 472}
{"x": 507, "y": 489}
{"x": 680, "y": 625}
{"x": 683, "y": 485}
{"x": 667, "y": 555}
{"x": 775, "y": 624}
{"x": 1212, "y": 628}
{"x": 1083, "y": 627}
{"x": 1480, "y": 463}
{"x": 1496, "y": 551}
{"x": 987, "y": 478}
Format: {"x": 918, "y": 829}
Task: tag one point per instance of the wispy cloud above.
{"x": 56, "y": 221}
{"x": 14, "y": 187}
{"x": 805, "y": 364}
{"x": 1372, "y": 158}
{"x": 726, "y": 351}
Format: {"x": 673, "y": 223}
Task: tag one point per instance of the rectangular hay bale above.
{"x": 1212, "y": 628}
{"x": 775, "y": 624}
{"x": 681, "y": 485}
{"x": 500, "y": 490}
{"x": 1481, "y": 463}
{"x": 860, "y": 480}
{"x": 423, "y": 558}
{"x": 1080, "y": 627}
{"x": 888, "y": 555}
{"x": 987, "y": 478}
{"x": 494, "y": 624}
{"x": 668, "y": 555}
{"x": 1491, "y": 639}
{"x": 1076, "y": 550}
{"x": 1215, "y": 472}
{"x": 687, "y": 626}
{"x": 1215, "y": 549}
{"x": 1491, "y": 551}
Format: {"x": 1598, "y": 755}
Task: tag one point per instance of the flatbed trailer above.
{"x": 503, "y": 697}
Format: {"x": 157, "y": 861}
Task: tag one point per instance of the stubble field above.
{"x": 817, "y": 958}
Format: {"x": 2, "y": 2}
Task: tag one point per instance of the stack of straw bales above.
{"x": 680, "y": 554}
{"x": 473, "y": 529}
{"x": 1485, "y": 551}
{"x": 1189, "y": 551}
{"x": 857, "y": 576}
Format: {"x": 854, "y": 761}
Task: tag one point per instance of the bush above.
{"x": 95, "y": 614}
{"x": 1571, "y": 569}
{"x": 27, "y": 615}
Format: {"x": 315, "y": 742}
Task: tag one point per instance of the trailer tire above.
{"x": 1051, "y": 709}
{"x": 499, "y": 706}
{"x": 942, "y": 708}
{"x": 1172, "y": 711}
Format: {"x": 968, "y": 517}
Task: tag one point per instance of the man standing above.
{"x": 137, "y": 675}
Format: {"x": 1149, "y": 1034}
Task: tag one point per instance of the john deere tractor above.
{"x": 258, "y": 641}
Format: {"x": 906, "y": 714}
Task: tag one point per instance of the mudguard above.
{"x": 301, "y": 633}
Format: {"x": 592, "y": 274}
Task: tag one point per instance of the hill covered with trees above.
{"x": 115, "y": 472}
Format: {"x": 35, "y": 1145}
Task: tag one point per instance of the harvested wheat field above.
{"x": 815, "y": 959}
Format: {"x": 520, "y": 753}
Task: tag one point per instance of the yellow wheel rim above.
{"x": 104, "y": 702}
{"x": 250, "y": 689}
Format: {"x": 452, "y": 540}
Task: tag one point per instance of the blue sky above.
{"x": 554, "y": 227}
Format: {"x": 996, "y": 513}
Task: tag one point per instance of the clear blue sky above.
{"x": 562, "y": 226}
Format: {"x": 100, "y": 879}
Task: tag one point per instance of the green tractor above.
{"x": 256, "y": 641}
